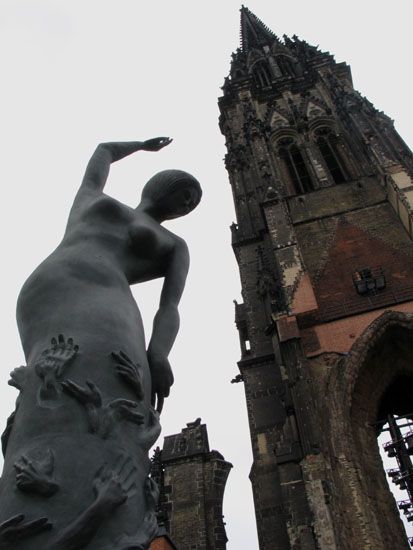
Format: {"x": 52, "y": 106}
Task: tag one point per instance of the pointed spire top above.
{"x": 253, "y": 31}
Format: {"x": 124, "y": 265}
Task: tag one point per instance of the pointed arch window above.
{"x": 262, "y": 75}
{"x": 285, "y": 65}
{"x": 327, "y": 144}
{"x": 296, "y": 166}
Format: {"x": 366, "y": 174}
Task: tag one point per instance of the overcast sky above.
{"x": 78, "y": 72}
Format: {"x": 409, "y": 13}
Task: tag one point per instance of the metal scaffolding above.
{"x": 400, "y": 447}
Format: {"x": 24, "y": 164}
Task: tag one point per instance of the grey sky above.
{"x": 78, "y": 72}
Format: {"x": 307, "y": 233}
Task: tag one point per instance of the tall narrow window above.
{"x": 328, "y": 149}
{"x": 296, "y": 166}
{"x": 262, "y": 74}
{"x": 285, "y": 65}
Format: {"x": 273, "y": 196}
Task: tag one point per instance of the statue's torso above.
{"x": 86, "y": 281}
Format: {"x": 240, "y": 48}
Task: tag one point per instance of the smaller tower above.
{"x": 192, "y": 482}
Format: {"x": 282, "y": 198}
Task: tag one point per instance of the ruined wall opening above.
{"x": 396, "y": 445}
{"x": 382, "y": 391}
{"x": 396, "y": 449}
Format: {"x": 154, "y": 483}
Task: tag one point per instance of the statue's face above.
{"x": 179, "y": 202}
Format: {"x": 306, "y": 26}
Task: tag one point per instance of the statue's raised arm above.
{"x": 97, "y": 170}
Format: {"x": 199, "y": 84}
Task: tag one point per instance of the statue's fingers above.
{"x": 129, "y": 474}
{"x": 92, "y": 386}
{"x": 71, "y": 387}
{"x": 153, "y": 418}
{"x": 139, "y": 390}
{"x": 34, "y": 526}
{"x": 101, "y": 472}
{"x": 117, "y": 356}
{"x": 159, "y": 406}
{"x": 23, "y": 477}
{"x": 121, "y": 467}
{"x": 15, "y": 520}
{"x": 135, "y": 417}
{"x": 118, "y": 462}
{"x": 125, "y": 372}
{"x": 152, "y": 492}
{"x": 128, "y": 414}
{"x": 75, "y": 390}
{"x": 69, "y": 345}
{"x": 129, "y": 481}
{"x": 62, "y": 344}
{"x": 123, "y": 369}
{"x": 129, "y": 486}
{"x": 127, "y": 403}
{"x": 125, "y": 357}
{"x": 66, "y": 386}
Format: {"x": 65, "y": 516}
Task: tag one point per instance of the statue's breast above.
{"x": 107, "y": 209}
{"x": 148, "y": 240}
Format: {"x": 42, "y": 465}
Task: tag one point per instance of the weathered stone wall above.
{"x": 192, "y": 490}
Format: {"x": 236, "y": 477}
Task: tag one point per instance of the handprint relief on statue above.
{"x": 18, "y": 377}
{"x": 129, "y": 372}
{"x": 51, "y": 365}
{"x": 34, "y": 473}
{"x": 15, "y": 529}
{"x": 149, "y": 527}
{"x": 111, "y": 487}
{"x": 102, "y": 418}
{"x": 152, "y": 430}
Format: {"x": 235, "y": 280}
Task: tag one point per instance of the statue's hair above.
{"x": 163, "y": 183}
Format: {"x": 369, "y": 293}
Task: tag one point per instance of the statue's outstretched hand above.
{"x": 155, "y": 144}
{"x": 162, "y": 379}
{"x": 16, "y": 528}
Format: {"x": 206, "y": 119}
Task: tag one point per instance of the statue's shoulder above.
{"x": 179, "y": 244}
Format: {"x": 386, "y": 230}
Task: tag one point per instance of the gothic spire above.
{"x": 253, "y": 31}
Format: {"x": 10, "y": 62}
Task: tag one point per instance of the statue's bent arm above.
{"x": 166, "y": 322}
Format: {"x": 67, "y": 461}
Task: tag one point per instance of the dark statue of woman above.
{"x": 76, "y": 448}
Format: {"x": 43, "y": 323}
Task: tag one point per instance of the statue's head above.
{"x": 172, "y": 193}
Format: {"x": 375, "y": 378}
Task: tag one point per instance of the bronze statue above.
{"x": 76, "y": 448}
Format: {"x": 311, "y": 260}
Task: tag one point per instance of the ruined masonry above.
{"x": 192, "y": 481}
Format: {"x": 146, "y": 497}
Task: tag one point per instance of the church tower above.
{"x": 323, "y": 193}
